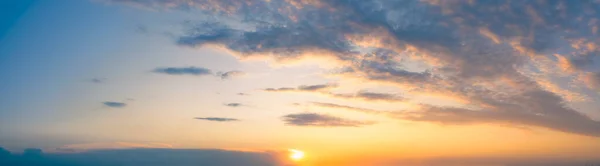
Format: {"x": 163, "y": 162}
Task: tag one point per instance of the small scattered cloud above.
{"x": 279, "y": 89}
{"x": 303, "y": 88}
{"x": 141, "y": 29}
{"x": 217, "y": 119}
{"x": 371, "y": 96}
{"x": 98, "y": 80}
{"x": 243, "y": 94}
{"x": 321, "y": 120}
{"x": 197, "y": 71}
{"x": 351, "y": 108}
{"x": 114, "y": 104}
{"x": 315, "y": 87}
{"x": 231, "y": 74}
{"x": 233, "y": 104}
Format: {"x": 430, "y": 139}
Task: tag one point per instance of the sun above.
{"x": 296, "y": 154}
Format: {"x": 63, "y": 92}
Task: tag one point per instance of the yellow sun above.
{"x": 296, "y": 154}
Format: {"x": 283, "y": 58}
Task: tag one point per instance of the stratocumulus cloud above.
{"x": 496, "y": 56}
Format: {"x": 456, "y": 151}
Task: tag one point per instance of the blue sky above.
{"x": 336, "y": 79}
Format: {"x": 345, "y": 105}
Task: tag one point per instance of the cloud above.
{"x": 230, "y": 74}
{"x": 114, "y": 104}
{"x": 364, "y": 110}
{"x": 98, "y": 80}
{"x": 490, "y": 54}
{"x": 233, "y": 104}
{"x": 284, "y": 89}
{"x": 315, "y": 87}
{"x": 371, "y": 96}
{"x": 303, "y": 88}
{"x": 147, "y": 157}
{"x": 321, "y": 120}
{"x": 543, "y": 109}
{"x": 198, "y": 71}
{"x": 217, "y": 119}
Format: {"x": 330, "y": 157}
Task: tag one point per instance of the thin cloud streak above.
{"x": 217, "y": 119}
{"x": 321, "y": 120}
{"x": 114, "y": 104}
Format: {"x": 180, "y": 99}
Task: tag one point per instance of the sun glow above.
{"x": 296, "y": 154}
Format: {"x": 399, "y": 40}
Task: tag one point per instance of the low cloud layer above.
{"x": 114, "y": 104}
{"x": 321, "y": 120}
{"x": 217, "y": 119}
{"x": 146, "y": 157}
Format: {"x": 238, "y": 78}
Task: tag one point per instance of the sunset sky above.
{"x": 346, "y": 82}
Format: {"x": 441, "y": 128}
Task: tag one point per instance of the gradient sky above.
{"x": 349, "y": 82}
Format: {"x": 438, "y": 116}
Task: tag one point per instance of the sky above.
{"x": 347, "y": 82}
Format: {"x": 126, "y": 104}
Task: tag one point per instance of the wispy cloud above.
{"x": 371, "y": 96}
{"x": 217, "y": 119}
{"x": 357, "y": 109}
{"x": 198, "y": 71}
{"x": 321, "y": 120}
{"x": 230, "y": 74}
{"x": 114, "y": 104}
{"x": 98, "y": 80}
{"x": 233, "y": 104}
{"x": 305, "y": 88}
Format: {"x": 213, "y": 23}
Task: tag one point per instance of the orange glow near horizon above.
{"x": 296, "y": 155}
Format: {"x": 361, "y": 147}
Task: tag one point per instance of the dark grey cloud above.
{"x": 230, "y": 74}
{"x": 114, "y": 104}
{"x": 217, "y": 119}
{"x": 147, "y": 157}
{"x": 321, "y": 120}
{"x": 243, "y": 94}
{"x": 476, "y": 50}
{"x": 198, "y": 71}
{"x": 233, "y": 104}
